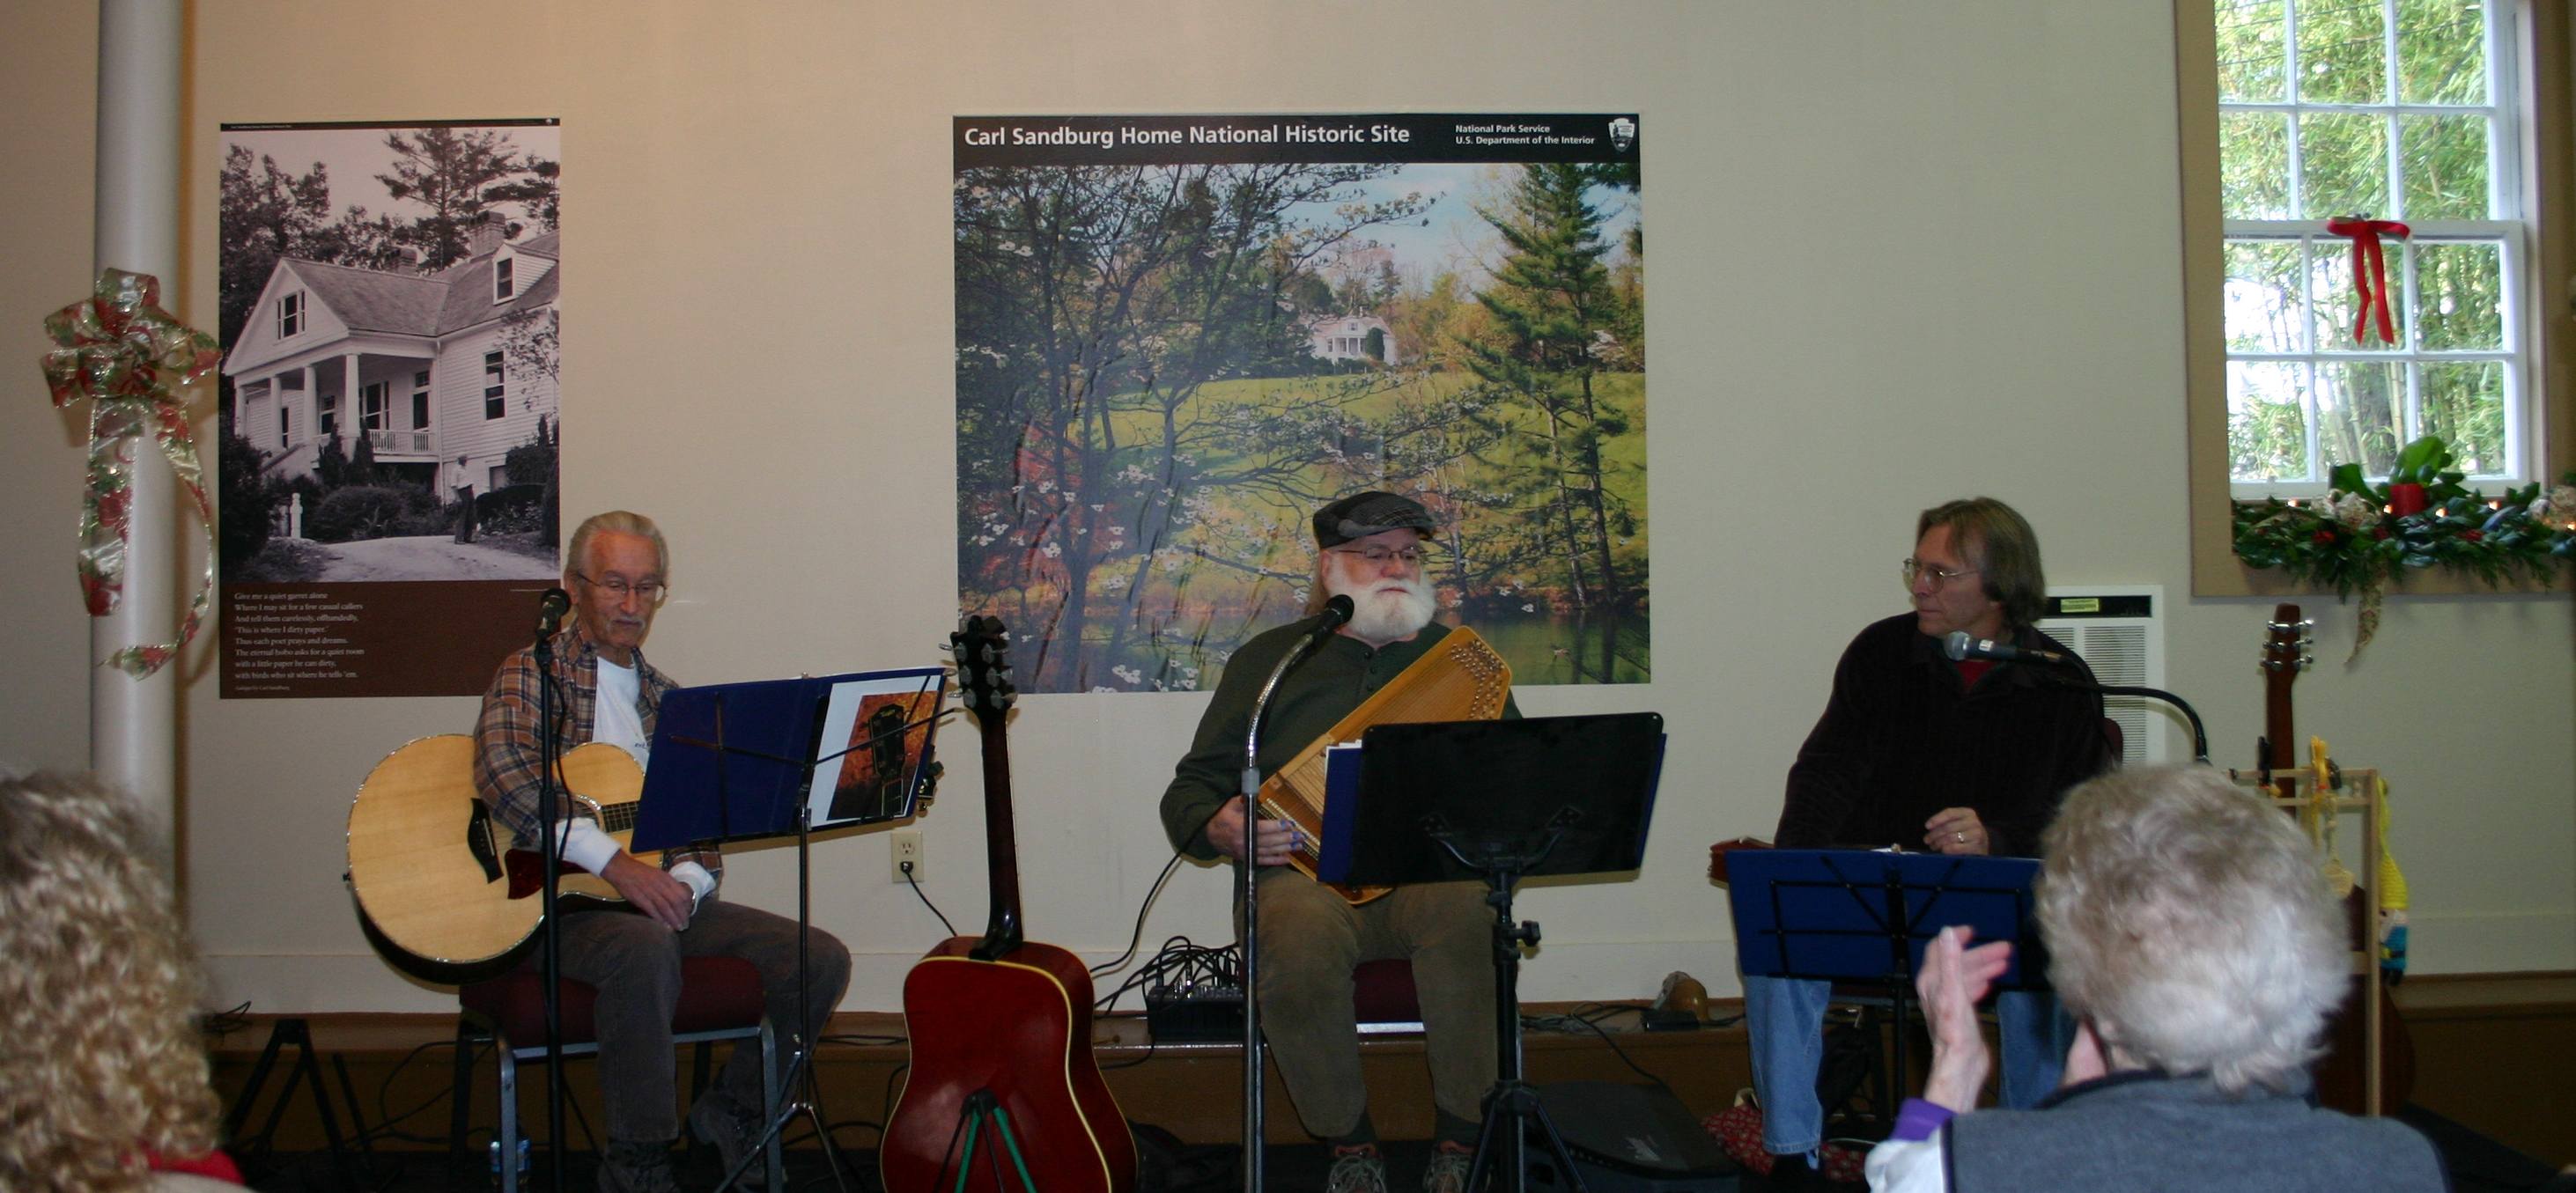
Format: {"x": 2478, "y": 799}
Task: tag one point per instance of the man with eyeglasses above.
{"x": 617, "y": 570}
{"x": 1923, "y": 753}
{"x": 1369, "y": 547}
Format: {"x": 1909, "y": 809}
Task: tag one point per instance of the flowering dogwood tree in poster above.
{"x": 1178, "y": 336}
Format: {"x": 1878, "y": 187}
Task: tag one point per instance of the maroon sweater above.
{"x": 1902, "y": 738}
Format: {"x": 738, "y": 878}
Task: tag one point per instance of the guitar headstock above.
{"x": 2287, "y": 642}
{"x": 981, "y": 648}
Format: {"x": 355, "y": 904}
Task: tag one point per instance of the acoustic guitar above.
{"x": 438, "y": 888}
{"x": 2342, "y": 1076}
{"x": 1004, "y": 1095}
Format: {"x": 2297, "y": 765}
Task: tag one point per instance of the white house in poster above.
{"x": 1348, "y": 337}
{"x": 414, "y": 360}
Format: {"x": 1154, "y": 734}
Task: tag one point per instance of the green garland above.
{"x": 2354, "y": 539}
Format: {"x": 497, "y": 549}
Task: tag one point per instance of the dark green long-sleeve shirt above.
{"x": 1318, "y": 692}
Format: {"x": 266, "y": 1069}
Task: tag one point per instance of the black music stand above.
{"x": 1866, "y": 915}
{"x": 1500, "y": 801}
{"x": 749, "y": 761}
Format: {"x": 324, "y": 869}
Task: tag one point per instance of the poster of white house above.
{"x": 390, "y": 421}
{"x": 1179, "y": 336}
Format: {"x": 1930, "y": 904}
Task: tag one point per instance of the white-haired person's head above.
{"x": 2188, "y": 921}
{"x": 98, "y": 996}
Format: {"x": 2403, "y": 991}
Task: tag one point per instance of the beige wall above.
{"x": 1900, "y": 253}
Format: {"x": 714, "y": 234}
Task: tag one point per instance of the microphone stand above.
{"x": 549, "y": 751}
{"x": 2066, "y": 667}
{"x": 1247, "y": 893}
{"x": 2199, "y": 736}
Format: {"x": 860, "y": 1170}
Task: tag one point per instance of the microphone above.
{"x": 550, "y": 611}
{"x": 1337, "y": 613}
{"x": 1960, "y": 646}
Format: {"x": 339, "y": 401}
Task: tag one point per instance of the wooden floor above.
{"x": 2496, "y": 1053}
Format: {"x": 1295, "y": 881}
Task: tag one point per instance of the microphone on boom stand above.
{"x": 1337, "y": 613}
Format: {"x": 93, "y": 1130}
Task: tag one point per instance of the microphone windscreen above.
{"x": 1956, "y": 645}
{"x": 1338, "y": 611}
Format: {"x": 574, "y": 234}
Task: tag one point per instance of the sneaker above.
{"x": 636, "y": 1168}
{"x": 1357, "y": 1170}
{"x": 1448, "y": 1170}
{"x": 734, "y": 1132}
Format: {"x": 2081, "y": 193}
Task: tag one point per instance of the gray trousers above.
{"x": 635, "y": 963}
{"x": 1310, "y": 940}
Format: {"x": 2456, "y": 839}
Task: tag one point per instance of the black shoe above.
{"x": 636, "y": 1168}
{"x": 735, "y": 1133}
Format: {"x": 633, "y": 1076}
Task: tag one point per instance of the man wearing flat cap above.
{"x": 1369, "y": 548}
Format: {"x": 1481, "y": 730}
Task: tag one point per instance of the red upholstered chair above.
{"x": 1382, "y": 992}
{"x": 719, "y": 1000}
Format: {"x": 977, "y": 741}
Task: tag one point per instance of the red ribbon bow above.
{"x": 124, "y": 354}
{"x": 2369, "y": 272}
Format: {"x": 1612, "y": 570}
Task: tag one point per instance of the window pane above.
{"x": 2263, "y": 312}
{"x": 2254, "y": 165}
{"x": 2459, "y": 288}
{"x": 2441, "y": 52}
{"x": 2343, "y": 159}
{"x": 2464, "y": 404}
{"x": 2357, "y": 415}
{"x": 2342, "y": 57}
{"x": 2446, "y": 166}
{"x": 2267, "y": 426}
{"x": 2249, "y": 51}
{"x": 2338, "y": 311}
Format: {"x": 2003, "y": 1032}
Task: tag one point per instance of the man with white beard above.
{"x": 1369, "y": 548}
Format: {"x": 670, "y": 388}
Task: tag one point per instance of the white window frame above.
{"x": 420, "y": 403}
{"x": 373, "y": 411}
{"x": 504, "y": 279}
{"x": 290, "y": 314}
{"x": 2308, "y": 229}
{"x": 496, "y": 387}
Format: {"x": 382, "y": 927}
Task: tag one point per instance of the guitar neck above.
{"x": 2283, "y": 658}
{"x": 1001, "y": 851}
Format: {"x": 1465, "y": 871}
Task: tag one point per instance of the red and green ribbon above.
{"x": 130, "y": 358}
{"x": 2369, "y": 272}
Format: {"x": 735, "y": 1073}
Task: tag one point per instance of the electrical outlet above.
{"x": 907, "y": 848}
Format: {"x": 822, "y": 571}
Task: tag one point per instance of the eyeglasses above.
{"x": 653, "y": 591}
{"x": 1940, "y": 576}
{"x": 1377, "y": 556}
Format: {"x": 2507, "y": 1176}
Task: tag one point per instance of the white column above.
{"x": 349, "y": 402}
{"x": 133, "y": 723}
{"x": 308, "y": 414}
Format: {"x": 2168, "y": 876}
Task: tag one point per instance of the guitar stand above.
{"x": 302, "y": 1073}
{"x": 982, "y": 1107}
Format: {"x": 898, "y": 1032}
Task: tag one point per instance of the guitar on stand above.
{"x": 1004, "y": 1094}
{"x": 2343, "y": 1073}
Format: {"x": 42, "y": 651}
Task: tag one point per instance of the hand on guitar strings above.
{"x": 651, "y": 890}
{"x": 1278, "y": 838}
{"x": 1956, "y": 830}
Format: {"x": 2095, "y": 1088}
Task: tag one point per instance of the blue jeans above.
{"x": 1784, "y": 1022}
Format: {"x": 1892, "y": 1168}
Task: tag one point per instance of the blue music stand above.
{"x": 744, "y": 761}
{"x": 1866, "y": 915}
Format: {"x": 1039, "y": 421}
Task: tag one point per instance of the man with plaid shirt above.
{"x": 617, "y": 569}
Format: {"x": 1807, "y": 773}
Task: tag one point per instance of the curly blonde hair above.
{"x": 99, "y": 995}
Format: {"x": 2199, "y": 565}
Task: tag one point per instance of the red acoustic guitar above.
{"x": 1003, "y": 1087}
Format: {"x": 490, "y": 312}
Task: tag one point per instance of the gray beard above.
{"x": 1388, "y": 613}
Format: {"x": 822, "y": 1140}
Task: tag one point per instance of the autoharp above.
{"x": 1462, "y": 679}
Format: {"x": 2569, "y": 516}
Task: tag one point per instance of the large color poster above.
{"x": 1177, "y": 336}
{"x": 390, "y": 422}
